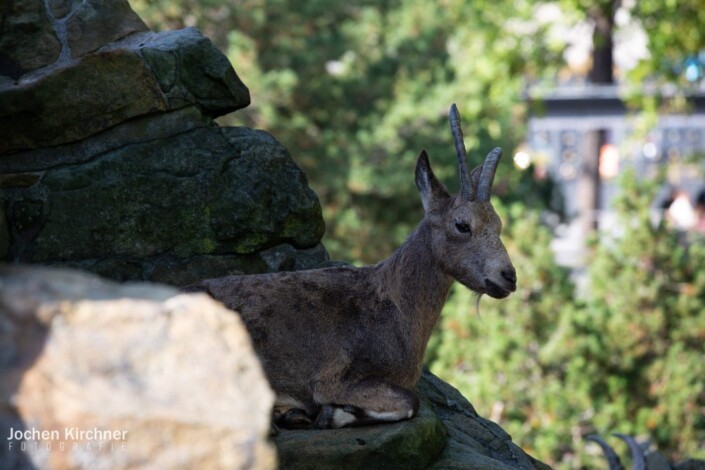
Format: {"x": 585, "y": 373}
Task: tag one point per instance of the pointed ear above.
{"x": 430, "y": 188}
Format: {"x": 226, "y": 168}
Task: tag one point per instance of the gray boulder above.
{"x": 144, "y": 74}
{"x": 94, "y": 93}
{"x": 220, "y": 193}
{"x": 110, "y": 160}
{"x": 91, "y": 24}
{"x": 474, "y": 442}
{"x": 27, "y": 38}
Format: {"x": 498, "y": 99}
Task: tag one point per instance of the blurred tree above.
{"x": 670, "y": 42}
{"x": 602, "y": 16}
{"x": 639, "y": 340}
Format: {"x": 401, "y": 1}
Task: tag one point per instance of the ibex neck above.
{"x": 414, "y": 281}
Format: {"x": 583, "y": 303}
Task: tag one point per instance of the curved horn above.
{"x": 611, "y": 456}
{"x": 487, "y": 176}
{"x": 467, "y": 190}
{"x": 637, "y": 453}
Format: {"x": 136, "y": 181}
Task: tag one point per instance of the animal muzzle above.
{"x": 502, "y": 285}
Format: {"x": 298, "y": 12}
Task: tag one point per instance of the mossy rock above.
{"x": 28, "y": 40}
{"x": 406, "y": 445}
{"x": 474, "y": 443}
{"x": 446, "y": 434}
{"x": 95, "y": 93}
{"x": 209, "y": 196}
{"x": 144, "y": 74}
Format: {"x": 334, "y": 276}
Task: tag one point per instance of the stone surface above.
{"x": 135, "y": 131}
{"x": 173, "y": 270}
{"x": 193, "y": 193}
{"x": 27, "y": 38}
{"x": 110, "y": 160}
{"x": 474, "y": 442}
{"x": 96, "y": 93}
{"x": 60, "y": 9}
{"x": 145, "y": 74}
{"x": 408, "y": 445}
{"x": 210, "y": 191}
{"x": 176, "y": 372}
{"x": 190, "y": 69}
{"x": 38, "y": 33}
{"x": 95, "y": 23}
{"x": 446, "y": 434}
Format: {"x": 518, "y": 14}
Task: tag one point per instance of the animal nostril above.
{"x": 510, "y": 276}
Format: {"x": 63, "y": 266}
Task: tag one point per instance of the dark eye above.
{"x": 462, "y": 227}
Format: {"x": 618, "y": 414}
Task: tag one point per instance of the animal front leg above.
{"x": 372, "y": 401}
{"x": 290, "y": 413}
{"x": 293, "y": 418}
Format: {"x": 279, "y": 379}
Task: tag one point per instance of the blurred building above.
{"x": 560, "y": 121}
{"x": 557, "y": 142}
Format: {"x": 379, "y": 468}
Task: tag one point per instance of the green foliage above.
{"x": 647, "y": 297}
{"x": 669, "y": 42}
{"x": 627, "y": 356}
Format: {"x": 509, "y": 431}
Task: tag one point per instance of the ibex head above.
{"x": 465, "y": 226}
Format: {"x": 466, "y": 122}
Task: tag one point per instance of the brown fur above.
{"x": 345, "y": 345}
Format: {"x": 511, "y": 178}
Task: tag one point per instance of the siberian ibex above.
{"x": 344, "y": 346}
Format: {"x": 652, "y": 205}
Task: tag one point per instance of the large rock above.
{"x": 407, "y": 445}
{"x": 110, "y": 159}
{"x": 191, "y": 70}
{"x": 173, "y": 377}
{"x": 95, "y": 93}
{"x": 145, "y": 211}
{"x": 143, "y": 74}
{"x": 91, "y": 24}
{"x": 447, "y": 434}
{"x": 474, "y": 442}
{"x": 27, "y": 38}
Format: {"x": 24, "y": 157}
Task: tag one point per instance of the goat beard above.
{"x": 478, "y": 296}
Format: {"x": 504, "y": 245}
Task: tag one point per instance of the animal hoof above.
{"x": 325, "y": 418}
{"x": 294, "y": 419}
